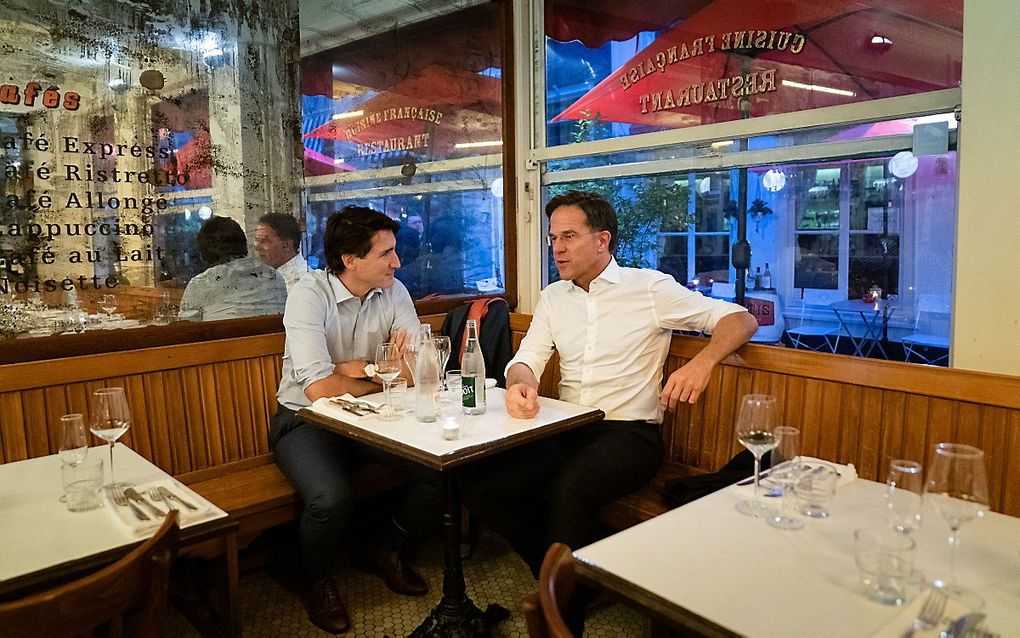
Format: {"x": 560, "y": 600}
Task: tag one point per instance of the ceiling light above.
{"x": 818, "y": 87}
{"x": 343, "y": 116}
{"x": 478, "y": 144}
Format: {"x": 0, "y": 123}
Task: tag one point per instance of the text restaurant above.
{"x": 541, "y": 318}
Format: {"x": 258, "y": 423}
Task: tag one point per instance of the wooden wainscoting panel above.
{"x": 13, "y": 433}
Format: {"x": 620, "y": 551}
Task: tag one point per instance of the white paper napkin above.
{"x": 186, "y": 517}
{"x": 904, "y": 619}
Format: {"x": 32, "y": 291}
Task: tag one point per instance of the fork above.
{"x": 119, "y": 498}
{"x": 156, "y": 495}
{"x": 930, "y": 614}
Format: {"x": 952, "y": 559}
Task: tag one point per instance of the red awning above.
{"x": 836, "y": 52}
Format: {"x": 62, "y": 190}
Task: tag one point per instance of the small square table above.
{"x": 875, "y": 318}
{"x": 43, "y": 544}
{"x": 482, "y": 435}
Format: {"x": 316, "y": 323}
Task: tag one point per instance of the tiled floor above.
{"x": 270, "y": 606}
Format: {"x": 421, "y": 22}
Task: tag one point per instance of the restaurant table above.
{"x": 482, "y": 435}
{"x": 43, "y": 544}
{"x": 706, "y": 567}
{"x": 875, "y": 318}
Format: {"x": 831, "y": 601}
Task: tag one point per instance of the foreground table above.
{"x": 43, "y": 544}
{"x": 481, "y": 436}
{"x": 708, "y": 568}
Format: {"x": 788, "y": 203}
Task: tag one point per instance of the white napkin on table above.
{"x": 186, "y": 517}
{"x": 355, "y": 400}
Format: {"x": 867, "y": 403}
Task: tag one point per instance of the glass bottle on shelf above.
{"x": 757, "y": 278}
{"x": 749, "y": 280}
{"x": 766, "y": 278}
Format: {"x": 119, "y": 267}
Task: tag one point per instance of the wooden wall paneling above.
{"x": 231, "y": 384}
{"x": 914, "y": 440}
{"x": 850, "y": 424}
{"x": 178, "y": 422}
{"x": 54, "y": 406}
{"x": 153, "y": 387}
{"x": 713, "y": 439}
{"x": 890, "y": 435}
{"x": 13, "y": 433}
{"x": 942, "y": 417}
{"x": 269, "y": 371}
{"x": 967, "y": 418}
{"x": 730, "y": 391}
{"x": 141, "y": 423}
{"x": 195, "y": 418}
{"x": 214, "y": 434}
{"x": 1011, "y": 499}
{"x": 35, "y": 421}
{"x": 994, "y": 422}
{"x": 250, "y": 406}
{"x": 869, "y": 449}
{"x": 811, "y": 414}
{"x": 78, "y": 400}
{"x": 826, "y": 438}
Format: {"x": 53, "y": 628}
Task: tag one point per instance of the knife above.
{"x": 133, "y": 494}
{"x": 168, "y": 494}
{"x": 346, "y": 406}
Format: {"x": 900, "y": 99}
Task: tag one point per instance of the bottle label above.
{"x": 469, "y": 394}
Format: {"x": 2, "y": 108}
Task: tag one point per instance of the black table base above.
{"x": 456, "y": 616}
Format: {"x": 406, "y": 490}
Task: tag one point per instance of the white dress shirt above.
{"x": 326, "y": 325}
{"x": 613, "y": 339}
{"x": 244, "y": 287}
{"x": 293, "y": 270}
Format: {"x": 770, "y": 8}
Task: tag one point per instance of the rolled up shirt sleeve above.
{"x": 681, "y": 309}
{"x": 538, "y": 345}
{"x": 304, "y": 321}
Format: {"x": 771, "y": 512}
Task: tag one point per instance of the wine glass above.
{"x": 411, "y": 356}
{"x": 73, "y": 446}
{"x": 756, "y": 421}
{"x": 442, "y": 344}
{"x": 108, "y": 303}
{"x": 388, "y": 363}
{"x": 111, "y": 418}
{"x": 903, "y": 495}
{"x": 958, "y": 489}
{"x": 785, "y": 473}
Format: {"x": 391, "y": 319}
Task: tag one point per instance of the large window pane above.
{"x": 816, "y": 264}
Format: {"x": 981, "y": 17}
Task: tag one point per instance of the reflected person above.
{"x": 611, "y": 327}
{"x": 278, "y": 244}
{"x": 235, "y": 285}
{"x": 334, "y": 321}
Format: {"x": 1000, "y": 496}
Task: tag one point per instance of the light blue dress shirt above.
{"x": 327, "y": 325}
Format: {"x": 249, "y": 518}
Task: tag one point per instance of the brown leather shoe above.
{"x": 326, "y": 609}
{"x": 399, "y": 576}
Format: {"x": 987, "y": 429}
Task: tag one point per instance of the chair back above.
{"x": 933, "y": 314}
{"x": 543, "y": 610}
{"x": 100, "y": 601}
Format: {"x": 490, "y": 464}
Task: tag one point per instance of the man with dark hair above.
{"x": 278, "y": 244}
{"x": 335, "y": 319}
{"x": 611, "y": 327}
{"x": 234, "y": 285}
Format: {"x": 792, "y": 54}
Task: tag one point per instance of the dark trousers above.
{"x": 551, "y": 491}
{"x": 317, "y": 463}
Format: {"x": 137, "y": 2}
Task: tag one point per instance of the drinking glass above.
{"x": 411, "y": 356}
{"x": 443, "y": 350}
{"x": 903, "y": 495}
{"x": 388, "y": 361}
{"x": 756, "y": 421}
{"x": 74, "y": 445}
{"x": 108, "y": 303}
{"x": 111, "y": 418}
{"x": 785, "y": 473}
{"x": 958, "y": 489}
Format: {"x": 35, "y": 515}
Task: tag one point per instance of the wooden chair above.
{"x": 100, "y": 601}
{"x": 543, "y": 609}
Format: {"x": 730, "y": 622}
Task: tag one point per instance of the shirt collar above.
{"x": 610, "y": 274}
{"x": 340, "y": 290}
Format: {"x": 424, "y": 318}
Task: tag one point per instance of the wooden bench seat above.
{"x": 647, "y": 502}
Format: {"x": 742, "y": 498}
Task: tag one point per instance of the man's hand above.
{"x": 401, "y": 339}
{"x": 685, "y": 385}
{"x": 354, "y": 369}
{"x": 521, "y": 401}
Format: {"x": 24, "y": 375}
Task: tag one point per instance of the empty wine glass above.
{"x": 958, "y": 489}
{"x": 73, "y": 446}
{"x": 108, "y": 303}
{"x": 111, "y": 418}
{"x": 387, "y": 361}
{"x": 443, "y": 350}
{"x": 903, "y": 495}
{"x": 756, "y": 421}
{"x": 411, "y": 356}
{"x": 785, "y": 473}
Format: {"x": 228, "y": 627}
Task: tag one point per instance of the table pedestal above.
{"x": 456, "y": 615}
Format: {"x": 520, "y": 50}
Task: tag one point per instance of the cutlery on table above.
{"x": 347, "y": 406}
{"x": 930, "y": 614}
{"x": 167, "y": 494}
{"x": 133, "y": 494}
{"x": 156, "y": 495}
{"x": 117, "y": 491}
{"x": 364, "y": 405}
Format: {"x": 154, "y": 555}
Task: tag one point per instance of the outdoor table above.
{"x": 482, "y": 436}
{"x": 706, "y": 567}
{"x": 43, "y": 544}
{"x": 875, "y": 318}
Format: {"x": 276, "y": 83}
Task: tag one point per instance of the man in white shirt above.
{"x": 611, "y": 327}
{"x": 278, "y": 244}
{"x": 335, "y": 319}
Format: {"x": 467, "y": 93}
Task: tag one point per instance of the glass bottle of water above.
{"x": 426, "y": 378}
{"x": 472, "y": 372}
